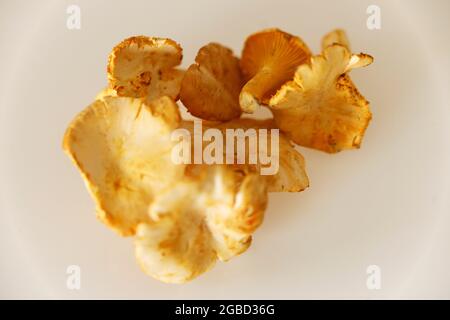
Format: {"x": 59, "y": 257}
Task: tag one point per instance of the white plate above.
{"x": 386, "y": 204}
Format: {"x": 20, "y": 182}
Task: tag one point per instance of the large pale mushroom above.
{"x": 122, "y": 148}
{"x": 208, "y": 216}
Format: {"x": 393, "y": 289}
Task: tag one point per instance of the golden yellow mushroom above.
{"x": 269, "y": 59}
{"x": 320, "y": 107}
{"x": 122, "y": 148}
{"x": 291, "y": 174}
{"x": 208, "y": 216}
{"x": 145, "y": 67}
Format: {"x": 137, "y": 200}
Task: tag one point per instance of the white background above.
{"x": 386, "y": 204}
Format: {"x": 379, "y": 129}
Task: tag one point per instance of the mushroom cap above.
{"x": 337, "y": 36}
{"x": 210, "y": 88}
{"x": 321, "y": 108}
{"x": 291, "y": 175}
{"x": 144, "y": 67}
{"x": 269, "y": 59}
{"x": 209, "y": 215}
{"x": 122, "y": 148}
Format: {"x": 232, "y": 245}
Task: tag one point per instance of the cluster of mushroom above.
{"x": 186, "y": 216}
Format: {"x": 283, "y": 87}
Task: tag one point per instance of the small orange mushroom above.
{"x": 269, "y": 60}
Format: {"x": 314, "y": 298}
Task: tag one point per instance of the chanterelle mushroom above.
{"x": 122, "y": 148}
{"x": 144, "y": 67}
{"x": 321, "y": 108}
{"x": 210, "y": 88}
{"x": 211, "y": 214}
{"x": 269, "y": 59}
